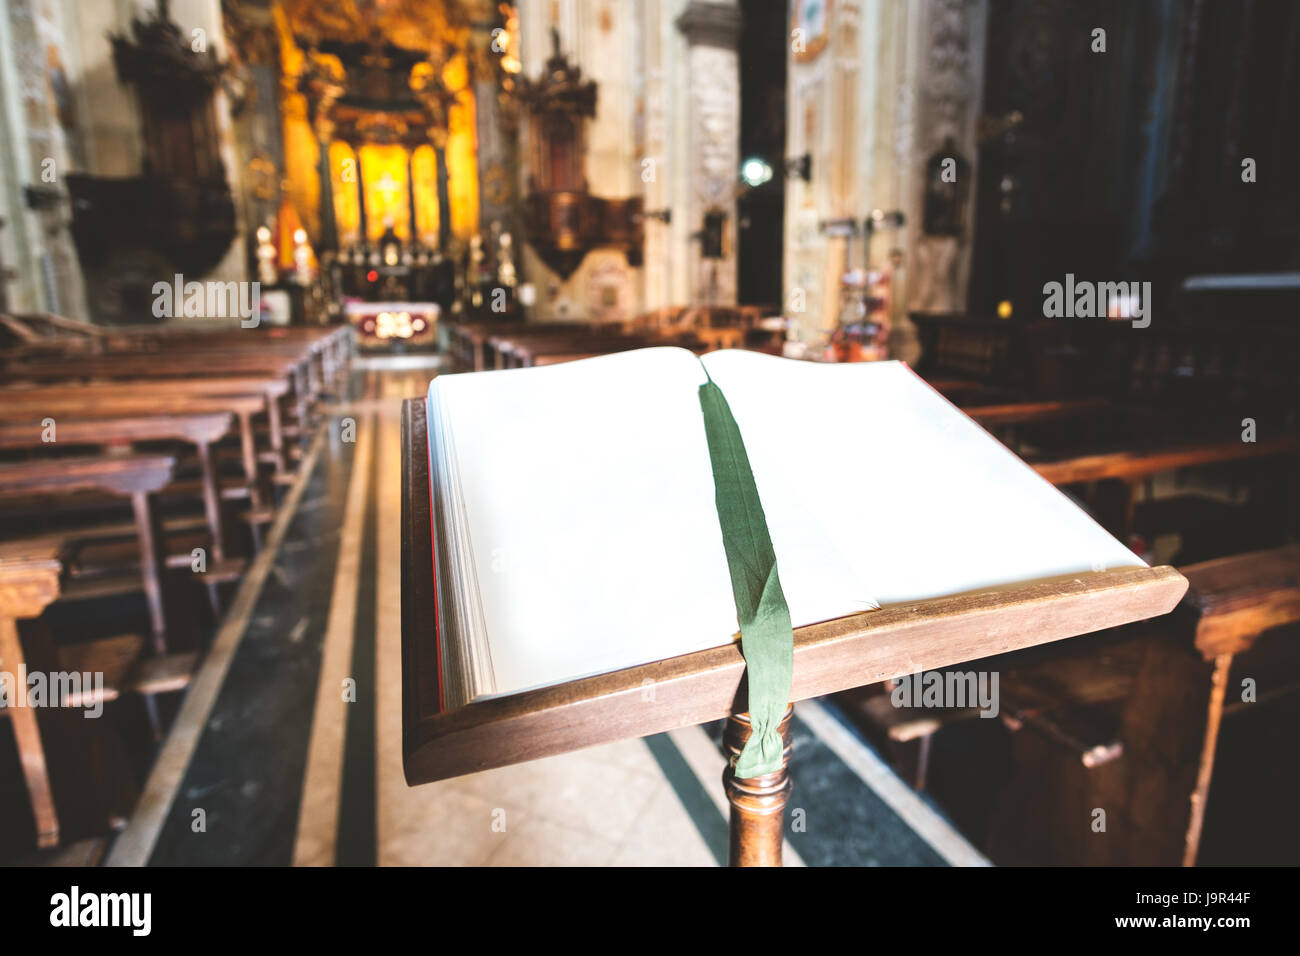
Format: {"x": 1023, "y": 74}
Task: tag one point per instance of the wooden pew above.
{"x": 137, "y": 477}
{"x": 718, "y": 327}
{"x": 328, "y": 349}
{"x": 966, "y": 392}
{"x": 472, "y": 349}
{"x": 335, "y": 340}
{"x": 1043, "y": 688}
{"x": 499, "y": 348}
{"x": 558, "y": 358}
{"x": 1035, "y": 429}
{"x": 525, "y": 349}
{"x": 520, "y": 351}
{"x": 722, "y": 337}
{"x": 1127, "y": 721}
{"x": 1143, "y": 744}
{"x": 905, "y": 733}
{"x": 314, "y": 359}
{"x": 478, "y": 346}
{"x": 146, "y": 395}
{"x": 1035, "y": 413}
{"x": 213, "y": 366}
{"x": 72, "y": 406}
{"x": 1231, "y": 605}
{"x": 29, "y": 582}
{"x": 133, "y": 373}
{"x": 200, "y": 429}
{"x": 1135, "y": 465}
{"x": 1127, "y": 446}
{"x": 1127, "y": 468}
{"x": 969, "y": 355}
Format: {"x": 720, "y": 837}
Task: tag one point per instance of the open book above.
{"x": 576, "y": 532}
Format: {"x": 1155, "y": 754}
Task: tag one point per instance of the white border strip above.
{"x": 322, "y": 784}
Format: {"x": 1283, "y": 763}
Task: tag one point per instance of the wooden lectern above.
{"x": 708, "y": 685}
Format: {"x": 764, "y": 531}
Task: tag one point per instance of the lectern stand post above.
{"x": 757, "y": 803}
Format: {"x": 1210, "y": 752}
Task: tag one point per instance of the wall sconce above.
{"x": 800, "y": 166}
{"x": 41, "y": 198}
{"x": 879, "y": 219}
{"x": 712, "y": 234}
{"x": 847, "y": 226}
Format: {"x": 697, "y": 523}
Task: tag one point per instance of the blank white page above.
{"x": 588, "y": 492}
{"x": 912, "y": 499}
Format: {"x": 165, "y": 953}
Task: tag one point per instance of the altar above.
{"x": 387, "y": 324}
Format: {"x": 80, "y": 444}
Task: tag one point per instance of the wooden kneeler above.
{"x": 709, "y": 685}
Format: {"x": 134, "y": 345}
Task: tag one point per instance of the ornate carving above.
{"x": 562, "y": 219}
{"x": 190, "y": 216}
{"x": 710, "y": 24}
{"x": 715, "y": 148}
{"x": 715, "y": 95}
{"x": 560, "y": 88}
{"x": 948, "y": 72}
{"x": 250, "y": 32}
{"x": 944, "y": 116}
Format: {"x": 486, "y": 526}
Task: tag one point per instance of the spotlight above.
{"x": 755, "y": 172}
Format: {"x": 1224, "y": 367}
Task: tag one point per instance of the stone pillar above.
{"x": 656, "y": 182}
{"x": 496, "y": 154}
{"x": 712, "y": 32}
{"x": 35, "y": 161}
{"x": 951, "y": 37}
{"x": 257, "y": 124}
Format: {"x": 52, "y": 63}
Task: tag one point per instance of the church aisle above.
{"x": 296, "y": 756}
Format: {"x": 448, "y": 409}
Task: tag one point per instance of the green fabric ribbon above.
{"x": 766, "y": 635}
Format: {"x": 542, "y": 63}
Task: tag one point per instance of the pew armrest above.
{"x": 1236, "y": 599}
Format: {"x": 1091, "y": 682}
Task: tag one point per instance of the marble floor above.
{"x": 287, "y": 749}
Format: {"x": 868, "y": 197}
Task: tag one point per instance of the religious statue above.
{"x": 267, "y": 273}
{"x": 302, "y": 257}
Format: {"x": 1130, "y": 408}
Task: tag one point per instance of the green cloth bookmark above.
{"x": 766, "y": 636}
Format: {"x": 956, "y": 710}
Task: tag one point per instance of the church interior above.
{"x": 240, "y": 238}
